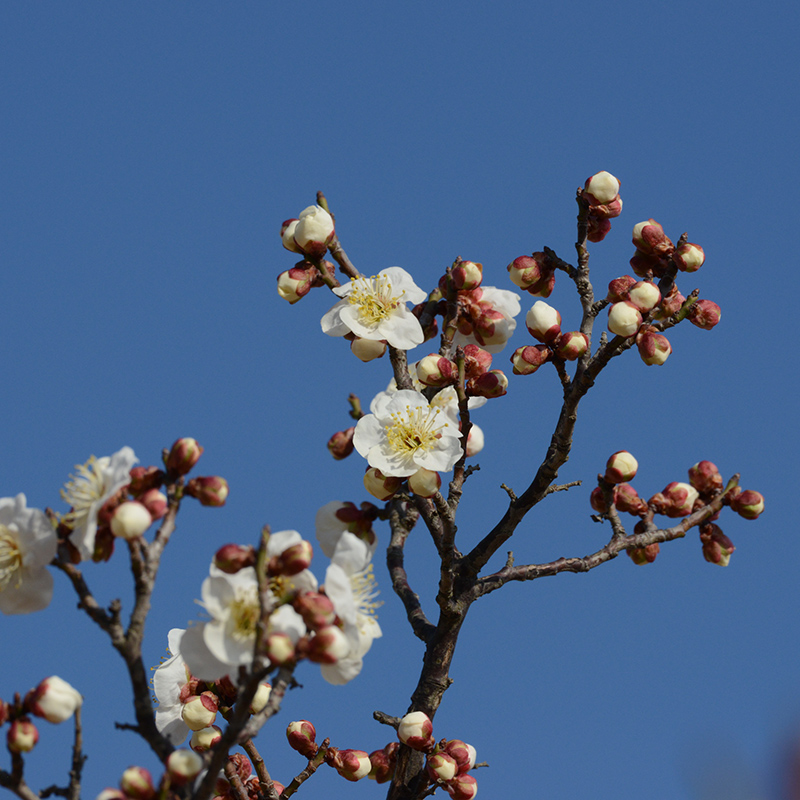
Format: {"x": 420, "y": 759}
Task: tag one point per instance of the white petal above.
{"x": 203, "y": 664}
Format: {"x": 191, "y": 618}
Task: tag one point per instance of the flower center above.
{"x": 365, "y": 590}
{"x": 10, "y": 558}
{"x": 416, "y": 430}
{"x": 245, "y": 613}
{"x": 374, "y": 298}
{"x": 84, "y": 490}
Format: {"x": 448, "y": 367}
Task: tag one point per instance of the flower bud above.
{"x": 367, "y": 349}
{"x": 649, "y": 238}
{"x": 200, "y": 711}
{"x": 287, "y": 235}
{"x": 340, "y": 445}
{"x": 644, "y": 295}
{"x": 532, "y": 273}
{"x": 137, "y": 783}
{"x": 435, "y": 370}
{"x": 748, "y": 504}
{"x": 572, "y": 345}
{"x": 185, "y": 453}
{"x": 424, "y": 482}
{"x": 597, "y": 228}
{"x": 463, "y": 753}
{"x": 646, "y": 266}
{"x": 462, "y": 787}
{"x": 621, "y": 467}
{"x": 143, "y": 479}
{"x": 293, "y": 559}
{"x": 627, "y": 499}
{"x": 295, "y": 283}
{"x": 210, "y": 491}
{"x": 491, "y": 384}
{"x": 476, "y": 361}
{"x": 205, "y": 739}
{"x": 353, "y": 764}
{"x": 183, "y": 766}
{"x": 717, "y": 547}
{"x": 680, "y": 499}
{"x": 383, "y": 763}
{"x": 110, "y": 793}
{"x": 260, "y": 698}
{"x": 705, "y": 314}
{"x": 643, "y": 555}
{"x": 301, "y": 736}
{"x": 22, "y": 736}
{"x": 231, "y": 558}
{"x": 600, "y": 214}
{"x": 279, "y": 649}
{"x": 441, "y": 767}
{"x": 624, "y": 319}
{"x": 314, "y": 231}
{"x": 597, "y": 500}
{"x": 54, "y": 699}
{"x": 316, "y": 609}
{"x": 544, "y": 322}
{"x": 654, "y": 348}
{"x": 416, "y": 731}
{"x": 380, "y": 485}
{"x": 527, "y": 360}
{"x": 602, "y": 187}
{"x": 705, "y": 477}
{"x": 618, "y": 288}
{"x": 130, "y": 520}
{"x": 475, "y": 441}
{"x": 328, "y": 645}
{"x": 689, "y": 257}
{"x": 670, "y": 304}
{"x": 155, "y": 502}
{"x": 467, "y": 275}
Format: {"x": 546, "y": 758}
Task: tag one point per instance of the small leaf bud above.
{"x": 340, "y": 445}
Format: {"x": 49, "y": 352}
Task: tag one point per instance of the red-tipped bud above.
{"x": 627, "y": 499}
{"x": 441, "y": 767}
{"x": 527, "y": 360}
{"x": 572, "y": 345}
{"x": 340, "y": 444}
{"x": 143, "y": 479}
{"x": 463, "y": 753}
{"x": 603, "y": 213}
{"x": 621, "y": 467}
{"x": 643, "y": 555}
{"x": 649, "y": 238}
{"x": 200, "y": 711}
{"x": 424, "y": 482}
{"x": 279, "y": 649}
{"x": 302, "y": 735}
{"x": 670, "y": 304}
{"x": 618, "y": 288}
{"x": 601, "y": 188}
{"x": 476, "y": 361}
{"x": 293, "y": 559}
{"x": 680, "y": 498}
{"x": 185, "y": 453}
{"x": 183, "y": 766}
{"x": 297, "y": 282}
{"x": 544, "y": 322}
{"x": 689, "y": 257}
{"x": 383, "y": 763}
{"x": 328, "y": 645}
{"x": 597, "y": 228}
{"x": 137, "y": 783}
{"x": 287, "y": 235}
{"x": 205, "y": 739}
{"x": 645, "y": 265}
{"x": 654, "y": 348}
{"x": 467, "y": 275}
{"x": 416, "y": 731}
{"x": 598, "y": 501}
{"x": 644, "y": 295}
{"x": 231, "y": 558}
{"x": 491, "y": 384}
{"x": 435, "y": 370}
{"x": 314, "y": 231}
{"x": 624, "y": 319}
{"x": 705, "y": 314}
{"x": 54, "y": 699}
{"x": 22, "y": 736}
{"x": 717, "y": 547}
{"x": 210, "y": 491}
{"x": 316, "y": 610}
{"x": 155, "y": 502}
{"x": 705, "y": 477}
{"x": 533, "y": 274}
{"x": 353, "y": 764}
{"x": 462, "y": 787}
{"x": 380, "y": 485}
{"x": 748, "y": 504}
{"x": 367, "y": 349}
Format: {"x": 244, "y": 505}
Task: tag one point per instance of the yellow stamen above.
{"x": 374, "y": 298}
{"x": 416, "y": 430}
{"x": 10, "y": 559}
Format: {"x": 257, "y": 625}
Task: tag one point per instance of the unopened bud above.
{"x": 597, "y": 500}
{"x": 463, "y": 753}
{"x": 328, "y": 645}
{"x": 231, "y": 558}
{"x": 435, "y": 370}
{"x": 22, "y": 736}
{"x": 295, "y": 283}
{"x": 624, "y": 319}
{"x": 649, "y": 238}
{"x": 185, "y": 453}
{"x": 618, "y": 288}
{"x": 183, "y": 766}
{"x": 210, "y": 491}
{"x": 302, "y": 736}
{"x": 200, "y": 711}
{"x": 680, "y": 499}
{"x": 602, "y": 187}
{"x": 527, "y": 360}
{"x": 544, "y": 322}
{"x": 367, "y": 349}
{"x": 380, "y": 485}
{"x": 621, "y": 467}
{"x": 646, "y": 266}
{"x": 670, "y": 304}
{"x": 353, "y": 764}
{"x": 441, "y": 767}
{"x": 143, "y": 479}
{"x": 705, "y": 314}
{"x": 654, "y": 348}
{"x": 533, "y": 274}
{"x": 130, "y": 520}
{"x": 705, "y": 477}
{"x": 54, "y": 699}
{"x": 205, "y": 739}
{"x": 572, "y": 345}
{"x": 424, "y": 482}
{"x": 467, "y": 275}
{"x": 293, "y": 560}
{"x": 287, "y": 235}
{"x": 383, "y": 764}
{"x": 137, "y": 783}
{"x": 476, "y": 361}
{"x": 643, "y": 555}
{"x": 717, "y": 547}
{"x": 155, "y": 502}
{"x": 314, "y": 231}
{"x": 260, "y": 698}
{"x": 279, "y": 649}
{"x": 597, "y": 228}
{"x": 491, "y": 384}
{"x": 644, "y": 295}
{"x": 627, "y": 499}
{"x": 689, "y": 257}
{"x": 340, "y": 445}
{"x": 748, "y": 504}
{"x": 316, "y": 609}
{"x": 462, "y": 787}
{"x": 416, "y": 731}
{"x": 475, "y": 440}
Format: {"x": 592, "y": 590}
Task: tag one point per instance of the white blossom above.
{"x": 27, "y": 545}
{"x": 168, "y": 681}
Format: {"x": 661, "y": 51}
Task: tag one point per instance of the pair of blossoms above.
{"x": 53, "y": 699}
{"x": 678, "y": 499}
{"x": 109, "y": 498}
{"x": 448, "y": 762}
{"x": 333, "y": 625}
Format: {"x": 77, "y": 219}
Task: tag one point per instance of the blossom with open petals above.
{"x": 27, "y": 545}
{"x": 94, "y": 483}
{"x": 375, "y": 308}
{"x": 169, "y": 679}
{"x": 404, "y": 432}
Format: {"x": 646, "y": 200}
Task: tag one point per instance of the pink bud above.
{"x": 353, "y": 764}
{"x": 544, "y": 322}
{"x": 383, "y": 764}
{"x": 654, "y": 348}
{"x": 621, "y": 467}
{"x": 463, "y": 753}
{"x": 185, "y": 453}
{"x": 680, "y": 499}
{"x": 441, "y": 767}
{"x": 717, "y": 547}
{"x": 183, "y": 766}
{"x": 137, "y": 783}
{"x": 646, "y": 266}
{"x": 145, "y": 478}
{"x": 670, "y": 304}
{"x": 705, "y": 314}
{"x": 231, "y": 558}
{"x": 598, "y": 501}
{"x": 491, "y": 384}
{"x": 597, "y": 228}
{"x": 643, "y": 555}
{"x": 476, "y": 361}
{"x": 302, "y": 736}
{"x": 467, "y": 275}
{"x": 367, "y": 349}
{"x": 328, "y": 645}
{"x": 627, "y": 499}
{"x": 624, "y": 319}
{"x": 618, "y": 288}
{"x": 572, "y": 345}
{"x": 602, "y": 187}
{"x": 130, "y": 520}
{"x": 644, "y": 295}
{"x": 748, "y": 504}
{"x": 340, "y": 444}
{"x": 603, "y": 212}
{"x": 424, "y": 482}
{"x": 316, "y": 609}
{"x": 416, "y": 731}
{"x": 435, "y": 370}
{"x": 649, "y": 238}
{"x": 155, "y": 502}
{"x": 314, "y": 231}
{"x": 529, "y": 272}
{"x": 462, "y": 787}
{"x": 689, "y": 257}
{"x": 22, "y": 736}
{"x": 527, "y": 360}
{"x": 380, "y": 485}
{"x": 210, "y": 491}
{"x": 54, "y": 699}
{"x": 705, "y": 477}
{"x": 295, "y": 559}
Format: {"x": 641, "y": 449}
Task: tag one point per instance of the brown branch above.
{"x": 264, "y": 780}
{"x": 313, "y": 765}
{"x": 14, "y": 780}
{"x": 335, "y": 247}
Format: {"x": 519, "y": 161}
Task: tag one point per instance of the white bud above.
{"x": 603, "y": 186}
{"x": 624, "y": 319}
{"x": 130, "y": 520}
{"x": 644, "y": 295}
{"x": 55, "y": 700}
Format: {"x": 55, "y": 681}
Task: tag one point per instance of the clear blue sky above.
{"x": 149, "y": 153}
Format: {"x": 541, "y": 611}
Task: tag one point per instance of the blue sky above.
{"x": 149, "y": 154}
